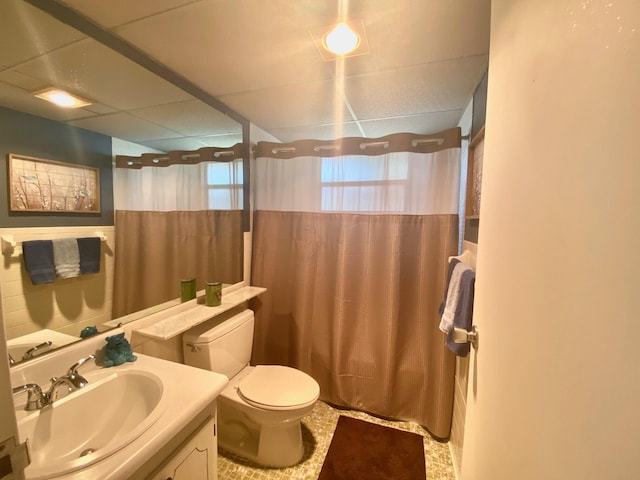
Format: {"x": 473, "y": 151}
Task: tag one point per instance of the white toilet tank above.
{"x": 222, "y": 347}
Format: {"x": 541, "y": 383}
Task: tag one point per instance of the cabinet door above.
{"x": 195, "y": 459}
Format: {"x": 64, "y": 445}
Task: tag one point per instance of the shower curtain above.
{"x": 174, "y": 222}
{"x": 353, "y": 253}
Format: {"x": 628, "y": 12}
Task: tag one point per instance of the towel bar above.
{"x": 9, "y": 245}
{"x": 460, "y": 335}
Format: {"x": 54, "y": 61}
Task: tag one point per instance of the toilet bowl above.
{"x": 260, "y": 410}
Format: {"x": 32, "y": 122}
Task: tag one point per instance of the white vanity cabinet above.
{"x": 195, "y": 459}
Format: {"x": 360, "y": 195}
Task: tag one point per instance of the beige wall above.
{"x": 66, "y": 305}
{"x": 554, "y": 386}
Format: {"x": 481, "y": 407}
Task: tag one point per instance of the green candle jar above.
{"x": 213, "y": 294}
{"x": 187, "y": 289}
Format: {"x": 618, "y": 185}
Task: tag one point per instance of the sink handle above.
{"x": 35, "y": 399}
{"x": 74, "y": 368}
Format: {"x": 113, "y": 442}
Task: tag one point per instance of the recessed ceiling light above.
{"x": 346, "y": 39}
{"x": 61, "y": 98}
{"x": 341, "y": 40}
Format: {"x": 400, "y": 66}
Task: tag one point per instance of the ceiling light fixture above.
{"x": 341, "y": 40}
{"x": 61, "y": 98}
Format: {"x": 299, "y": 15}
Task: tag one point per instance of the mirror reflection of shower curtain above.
{"x": 174, "y": 222}
{"x": 353, "y": 253}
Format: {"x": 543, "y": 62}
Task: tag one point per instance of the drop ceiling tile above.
{"x": 170, "y": 144}
{"x": 412, "y": 32}
{"x": 194, "y": 143}
{"x": 227, "y": 140}
{"x": 316, "y": 132}
{"x": 91, "y": 70}
{"x": 124, "y": 126}
{"x": 17, "y": 99}
{"x": 232, "y": 46}
{"x": 421, "y": 124}
{"x": 22, "y": 81}
{"x": 299, "y": 104}
{"x": 432, "y": 87}
{"x": 116, "y": 12}
{"x": 353, "y": 66}
{"x": 99, "y": 109}
{"x": 191, "y": 117}
{"x": 30, "y": 32}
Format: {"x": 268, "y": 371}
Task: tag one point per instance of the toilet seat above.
{"x": 276, "y": 387}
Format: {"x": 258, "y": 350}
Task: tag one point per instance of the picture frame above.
{"x": 41, "y": 185}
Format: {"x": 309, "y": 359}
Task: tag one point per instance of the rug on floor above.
{"x": 364, "y": 450}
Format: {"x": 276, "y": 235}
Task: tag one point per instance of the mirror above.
{"x": 136, "y": 110}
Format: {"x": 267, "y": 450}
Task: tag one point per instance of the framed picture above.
{"x": 38, "y": 185}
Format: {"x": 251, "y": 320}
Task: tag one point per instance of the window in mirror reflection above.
{"x": 224, "y": 181}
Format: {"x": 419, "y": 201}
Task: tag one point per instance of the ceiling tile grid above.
{"x": 317, "y": 132}
{"x": 431, "y": 87}
{"x": 422, "y": 124}
{"x": 189, "y": 118}
{"x": 125, "y": 126}
{"x": 26, "y": 33}
{"x": 259, "y": 58}
{"x": 297, "y": 104}
{"x": 230, "y": 47}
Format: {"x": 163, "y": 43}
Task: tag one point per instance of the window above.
{"x": 364, "y": 184}
{"x": 224, "y": 185}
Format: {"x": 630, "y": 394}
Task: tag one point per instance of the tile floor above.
{"x": 317, "y": 430}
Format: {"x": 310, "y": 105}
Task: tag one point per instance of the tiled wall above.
{"x": 66, "y": 305}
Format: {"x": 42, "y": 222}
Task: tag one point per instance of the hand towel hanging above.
{"x": 66, "y": 257}
{"x": 38, "y": 261}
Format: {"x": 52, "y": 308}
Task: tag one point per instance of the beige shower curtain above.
{"x": 154, "y": 250}
{"x": 352, "y": 299}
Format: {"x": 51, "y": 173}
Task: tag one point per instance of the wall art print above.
{"x": 39, "y": 185}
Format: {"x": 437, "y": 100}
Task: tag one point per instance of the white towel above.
{"x": 453, "y": 295}
{"x": 66, "y": 257}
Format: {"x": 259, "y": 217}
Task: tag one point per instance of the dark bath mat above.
{"x": 364, "y": 450}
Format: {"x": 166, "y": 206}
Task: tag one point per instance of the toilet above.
{"x": 260, "y": 410}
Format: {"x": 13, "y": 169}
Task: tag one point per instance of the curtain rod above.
{"x": 204, "y": 154}
{"x": 397, "y": 142}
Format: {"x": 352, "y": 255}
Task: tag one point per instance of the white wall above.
{"x": 8, "y": 427}
{"x": 554, "y": 387}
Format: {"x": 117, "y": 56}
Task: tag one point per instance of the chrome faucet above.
{"x": 32, "y": 351}
{"x": 60, "y": 387}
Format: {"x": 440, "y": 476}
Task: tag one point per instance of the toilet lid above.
{"x": 276, "y": 386}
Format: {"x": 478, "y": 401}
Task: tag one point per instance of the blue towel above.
{"x": 463, "y": 317}
{"x": 453, "y": 296}
{"x": 38, "y": 260}
{"x": 89, "y": 254}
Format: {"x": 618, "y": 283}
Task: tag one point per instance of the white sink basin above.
{"x": 92, "y": 423}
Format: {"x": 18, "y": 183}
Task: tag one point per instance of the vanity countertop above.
{"x": 173, "y": 322}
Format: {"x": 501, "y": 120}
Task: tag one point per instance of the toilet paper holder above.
{"x": 460, "y": 335}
